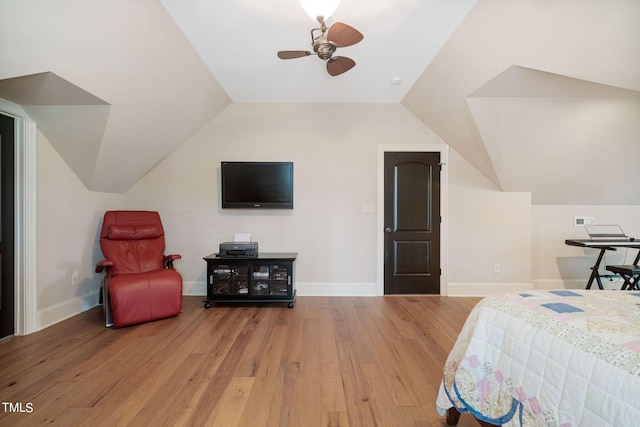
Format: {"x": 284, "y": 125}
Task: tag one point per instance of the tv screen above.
{"x": 257, "y": 185}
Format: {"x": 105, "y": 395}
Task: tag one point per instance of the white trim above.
{"x": 194, "y": 288}
{"x": 66, "y": 309}
{"x": 336, "y": 289}
{"x": 307, "y": 289}
{"x": 550, "y": 284}
{"x": 26, "y": 263}
{"x": 485, "y": 289}
{"x": 443, "y": 149}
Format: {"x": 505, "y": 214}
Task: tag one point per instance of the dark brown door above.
{"x": 412, "y": 223}
{"x": 6, "y": 226}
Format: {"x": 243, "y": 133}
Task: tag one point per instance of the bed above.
{"x": 563, "y": 358}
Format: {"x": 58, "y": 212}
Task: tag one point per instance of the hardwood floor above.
{"x": 330, "y": 361}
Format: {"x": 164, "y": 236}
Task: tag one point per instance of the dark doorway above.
{"x": 412, "y": 223}
{"x": 7, "y": 308}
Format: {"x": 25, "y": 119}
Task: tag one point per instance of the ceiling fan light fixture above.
{"x": 316, "y": 8}
{"x": 325, "y": 40}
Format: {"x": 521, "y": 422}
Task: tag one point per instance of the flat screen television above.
{"x": 257, "y": 185}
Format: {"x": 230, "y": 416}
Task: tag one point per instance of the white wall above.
{"x": 69, "y": 217}
{"x": 556, "y": 265}
{"x": 544, "y": 145}
{"x": 486, "y": 227}
{"x": 335, "y": 173}
{"x": 334, "y": 150}
{"x": 592, "y": 40}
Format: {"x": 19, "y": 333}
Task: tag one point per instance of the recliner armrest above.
{"x": 168, "y": 260}
{"x": 105, "y": 263}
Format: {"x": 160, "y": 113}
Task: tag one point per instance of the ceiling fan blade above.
{"x": 339, "y": 65}
{"x": 290, "y": 54}
{"x": 343, "y": 35}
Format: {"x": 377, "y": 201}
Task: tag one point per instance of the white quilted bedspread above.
{"x": 564, "y": 358}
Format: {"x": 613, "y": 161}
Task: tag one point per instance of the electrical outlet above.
{"x": 496, "y": 267}
{"x": 368, "y": 208}
{"x": 75, "y": 279}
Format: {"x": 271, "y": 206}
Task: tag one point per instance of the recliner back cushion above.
{"x": 133, "y": 232}
{"x": 133, "y": 240}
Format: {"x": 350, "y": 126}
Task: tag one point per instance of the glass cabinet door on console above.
{"x": 271, "y": 280}
{"x": 267, "y": 277}
{"x": 229, "y": 279}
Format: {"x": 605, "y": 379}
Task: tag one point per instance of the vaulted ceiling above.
{"x": 529, "y": 92}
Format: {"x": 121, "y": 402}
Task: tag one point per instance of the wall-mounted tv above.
{"x": 257, "y": 185}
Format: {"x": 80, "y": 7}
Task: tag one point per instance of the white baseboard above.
{"x": 72, "y": 307}
{"x": 316, "y": 289}
{"x": 194, "y": 289}
{"x": 484, "y": 289}
{"x": 66, "y": 309}
{"x": 549, "y": 284}
{"x": 336, "y": 289}
{"x": 616, "y": 283}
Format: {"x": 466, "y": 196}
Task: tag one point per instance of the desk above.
{"x": 603, "y": 245}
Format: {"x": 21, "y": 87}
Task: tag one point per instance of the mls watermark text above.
{"x": 20, "y": 407}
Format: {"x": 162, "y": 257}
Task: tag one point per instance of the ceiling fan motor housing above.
{"x": 324, "y": 48}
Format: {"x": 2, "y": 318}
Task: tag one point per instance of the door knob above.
{"x": 387, "y": 230}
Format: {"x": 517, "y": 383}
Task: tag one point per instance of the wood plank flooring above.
{"x": 329, "y": 361}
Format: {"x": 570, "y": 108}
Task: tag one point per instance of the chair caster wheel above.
{"x": 290, "y": 305}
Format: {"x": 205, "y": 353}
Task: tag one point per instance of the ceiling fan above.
{"x": 325, "y": 40}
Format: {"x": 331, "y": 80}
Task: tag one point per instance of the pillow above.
{"x": 133, "y": 232}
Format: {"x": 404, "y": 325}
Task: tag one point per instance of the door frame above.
{"x": 25, "y": 224}
{"x": 443, "y": 149}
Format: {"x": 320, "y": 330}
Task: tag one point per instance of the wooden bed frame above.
{"x": 453, "y": 416}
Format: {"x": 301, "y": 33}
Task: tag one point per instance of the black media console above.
{"x": 267, "y": 277}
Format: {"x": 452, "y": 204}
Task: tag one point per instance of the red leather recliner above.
{"x": 140, "y": 283}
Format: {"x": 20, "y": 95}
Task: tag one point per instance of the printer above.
{"x": 239, "y": 249}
